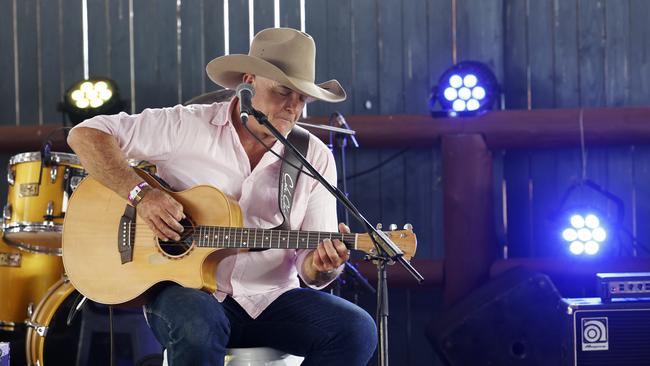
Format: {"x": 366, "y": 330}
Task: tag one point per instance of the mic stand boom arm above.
{"x": 387, "y": 251}
{"x": 340, "y": 130}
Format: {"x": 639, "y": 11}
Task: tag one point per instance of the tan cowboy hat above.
{"x": 285, "y": 55}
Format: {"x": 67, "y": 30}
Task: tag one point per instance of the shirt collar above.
{"x": 224, "y": 116}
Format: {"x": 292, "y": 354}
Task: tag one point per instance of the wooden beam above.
{"x": 16, "y": 139}
{"x": 573, "y": 266}
{"x": 470, "y": 240}
{"x": 538, "y": 128}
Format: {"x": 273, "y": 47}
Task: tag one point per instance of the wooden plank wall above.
{"x": 388, "y": 54}
{"x": 574, "y": 53}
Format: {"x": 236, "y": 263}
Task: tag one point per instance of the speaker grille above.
{"x": 628, "y": 337}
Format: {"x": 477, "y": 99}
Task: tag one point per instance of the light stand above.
{"x": 386, "y": 252}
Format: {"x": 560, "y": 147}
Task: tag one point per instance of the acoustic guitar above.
{"x": 112, "y": 257}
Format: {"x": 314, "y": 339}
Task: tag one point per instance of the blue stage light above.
{"x": 585, "y": 234}
{"x": 467, "y": 88}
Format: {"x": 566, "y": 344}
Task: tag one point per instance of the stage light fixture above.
{"x": 466, "y": 89}
{"x": 91, "y": 97}
{"x": 589, "y": 219}
{"x": 584, "y": 234}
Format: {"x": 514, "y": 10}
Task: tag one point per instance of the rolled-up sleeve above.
{"x": 321, "y": 207}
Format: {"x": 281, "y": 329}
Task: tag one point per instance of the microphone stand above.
{"x": 341, "y": 142}
{"x": 385, "y": 252}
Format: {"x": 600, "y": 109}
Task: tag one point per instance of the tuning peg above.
{"x": 379, "y": 226}
{"x": 408, "y": 226}
{"x": 392, "y": 227}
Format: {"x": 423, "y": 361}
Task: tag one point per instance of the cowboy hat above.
{"x": 285, "y": 55}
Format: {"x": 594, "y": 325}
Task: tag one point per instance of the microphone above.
{"x": 338, "y": 117}
{"x": 245, "y": 92}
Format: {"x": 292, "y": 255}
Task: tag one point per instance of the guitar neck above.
{"x": 236, "y": 237}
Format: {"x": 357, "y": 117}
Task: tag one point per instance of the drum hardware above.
{"x": 41, "y": 330}
{"x": 10, "y": 259}
{"x": 53, "y": 173}
{"x": 7, "y": 326}
{"x": 34, "y": 249}
{"x": 11, "y": 177}
{"x": 6, "y": 213}
{"x": 49, "y": 213}
{"x": 74, "y": 180}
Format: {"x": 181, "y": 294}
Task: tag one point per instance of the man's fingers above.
{"x": 317, "y": 261}
{"x": 343, "y": 228}
{"x": 167, "y": 232}
{"x": 174, "y": 208}
{"x": 173, "y": 224}
{"x": 324, "y": 256}
{"x": 331, "y": 251}
{"x": 342, "y": 250}
{"x": 154, "y": 227}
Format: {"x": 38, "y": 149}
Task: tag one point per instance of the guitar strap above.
{"x": 299, "y": 137}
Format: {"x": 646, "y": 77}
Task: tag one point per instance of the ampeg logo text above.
{"x": 594, "y": 334}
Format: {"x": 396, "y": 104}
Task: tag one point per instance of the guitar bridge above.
{"x": 126, "y": 234}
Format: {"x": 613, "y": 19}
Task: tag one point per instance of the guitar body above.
{"x": 90, "y": 244}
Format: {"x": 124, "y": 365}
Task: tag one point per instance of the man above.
{"x": 258, "y": 301}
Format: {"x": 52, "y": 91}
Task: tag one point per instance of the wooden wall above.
{"x": 387, "y": 54}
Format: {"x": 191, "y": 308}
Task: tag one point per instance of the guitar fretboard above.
{"x": 235, "y": 237}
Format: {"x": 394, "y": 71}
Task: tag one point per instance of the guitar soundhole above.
{"x": 177, "y": 248}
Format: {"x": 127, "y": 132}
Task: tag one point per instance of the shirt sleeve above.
{"x": 321, "y": 208}
{"x": 149, "y": 135}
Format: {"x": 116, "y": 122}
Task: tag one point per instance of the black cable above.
{"x": 379, "y": 165}
{"x": 636, "y": 241}
{"x": 64, "y": 129}
{"x": 276, "y": 154}
{"x": 353, "y": 176}
{"x": 110, "y": 332}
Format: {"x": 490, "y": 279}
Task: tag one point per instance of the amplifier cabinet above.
{"x": 613, "y": 333}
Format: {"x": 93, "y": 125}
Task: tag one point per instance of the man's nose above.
{"x": 294, "y": 103}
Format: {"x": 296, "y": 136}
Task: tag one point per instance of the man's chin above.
{"x": 283, "y": 125}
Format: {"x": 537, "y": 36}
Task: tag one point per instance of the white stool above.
{"x": 259, "y": 356}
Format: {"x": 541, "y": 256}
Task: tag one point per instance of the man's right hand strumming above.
{"x": 162, "y": 213}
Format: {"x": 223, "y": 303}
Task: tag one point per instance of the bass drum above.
{"x": 49, "y": 338}
{"x": 24, "y": 278}
{"x": 51, "y": 341}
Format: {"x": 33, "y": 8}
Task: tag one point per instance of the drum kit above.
{"x": 36, "y": 299}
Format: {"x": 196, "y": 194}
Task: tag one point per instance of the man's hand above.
{"x": 162, "y": 213}
{"x": 321, "y": 264}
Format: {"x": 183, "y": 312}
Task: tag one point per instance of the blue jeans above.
{"x": 196, "y": 329}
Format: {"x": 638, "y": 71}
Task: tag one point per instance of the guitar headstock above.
{"x": 405, "y": 239}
